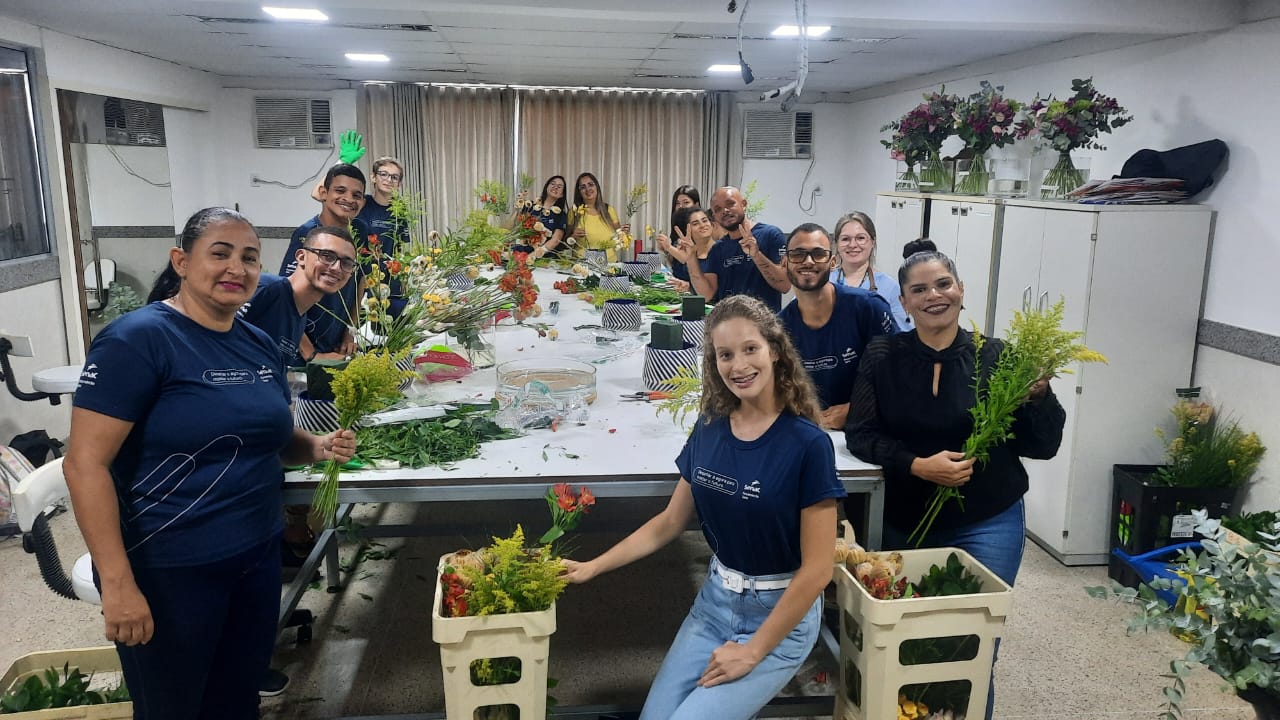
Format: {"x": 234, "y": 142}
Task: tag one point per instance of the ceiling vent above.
{"x": 132, "y": 122}
{"x": 296, "y": 123}
{"x": 776, "y": 135}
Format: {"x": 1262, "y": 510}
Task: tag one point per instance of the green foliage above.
{"x": 1208, "y": 451}
{"x": 121, "y": 299}
{"x": 52, "y": 689}
{"x": 1252, "y": 526}
{"x": 686, "y": 395}
{"x": 514, "y": 578}
{"x": 435, "y": 441}
{"x": 952, "y": 579}
{"x": 1228, "y": 610}
{"x": 408, "y": 212}
{"x": 755, "y": 203}
{"x": 643, "y": 294}
{"x": 494, "y": 197}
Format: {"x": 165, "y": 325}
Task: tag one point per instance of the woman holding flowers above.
{"x": 551, "y": 210}
{"x": 593, "y": 223}
{"x": 179, "y": 431}
{"x": 910, "y": 413}
{"x": 759, "y": 475}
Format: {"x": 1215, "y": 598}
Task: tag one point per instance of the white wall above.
{"x": 118, "y": 198}
{"x": 784, "y": 183}
{"x": 193, "y": 165}
{"x": 1180, "y": 91}
{"x": 238, "y": 159}
{"x": 34, "y": 311}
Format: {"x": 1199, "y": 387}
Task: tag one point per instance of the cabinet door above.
{"x": 944, "y": 231}
{"x": 1020, "y": 246}
{"x": 886, "y": 218}
{"x": 975, "y": 240}
{"x": 910, "y": 223}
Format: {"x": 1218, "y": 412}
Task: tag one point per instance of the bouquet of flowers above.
{"x": 1069, "y": 124}
{"x": 567, "y": 510}
{"x": 917, "y": 138}
{"x": 1036, "y": 347}
{"x": 518, "y": 282}
{"x": 1208, "y": 450}
{"x": 494, "y": 197}
{"x": 637, "y": 198}
{"x": 983, "y": 120}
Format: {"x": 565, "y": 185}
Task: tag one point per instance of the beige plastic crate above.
{"x": 88, "y": 660}
{"x": 872, "y": 630}
{"x": 462, "y": 640}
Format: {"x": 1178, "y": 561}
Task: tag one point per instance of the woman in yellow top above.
{"x": 593, "y": 222}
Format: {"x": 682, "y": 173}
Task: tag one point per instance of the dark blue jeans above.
{"x": 996, "y": 542}
{"x": 215, "y": 628}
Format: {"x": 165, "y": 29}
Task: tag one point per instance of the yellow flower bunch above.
{"x": 514, "y": 578}
{"x": 1208, "y": 450}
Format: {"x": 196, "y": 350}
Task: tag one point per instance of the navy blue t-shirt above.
{"x": 681, "y": 271}
{"x": 198, "y": 476}
{"x": 737, "y": 274}
{"x": 749, "y": 494}
{"x": 322, "y": 327}
{"x": 377, "y": 218}
{"x": 273, "y": 310}
{"x": 831, "y": 353}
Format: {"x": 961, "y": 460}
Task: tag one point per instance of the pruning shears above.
{"x": 646, "y": 396}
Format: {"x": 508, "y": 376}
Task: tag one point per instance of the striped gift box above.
{"x": 693, "y": 331}
{"x": 635, "y": 268}
{"x": 317, "y": 416}
{"x": 651, "y": 259}
{"x": 620, "y": 314}
{"x": 661, "y": 365}
{"x": 617, "y": 283}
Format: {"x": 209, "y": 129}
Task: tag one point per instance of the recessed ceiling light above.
{"x": 368, "y": 57}
{"x": 281, "y": 13}
{"x": 794, "y": 30}
{"x": 725, "y": 68}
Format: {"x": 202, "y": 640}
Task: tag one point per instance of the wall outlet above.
{"x": 255, "y": 181}
{"x": 817, "y": 189}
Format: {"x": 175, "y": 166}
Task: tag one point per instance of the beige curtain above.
{"x": 624, "y": 138}
{"x": 450, "y": 138}
{"x": 722, "y": 130}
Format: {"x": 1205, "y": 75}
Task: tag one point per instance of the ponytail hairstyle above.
{"x": 168, "y": 283}
{"x": 791, "y": 384}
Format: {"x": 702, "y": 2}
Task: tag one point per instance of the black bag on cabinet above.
{"x": 1194, "y": 164}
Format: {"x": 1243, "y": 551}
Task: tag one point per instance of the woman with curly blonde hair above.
{"x": 759, "y": 475}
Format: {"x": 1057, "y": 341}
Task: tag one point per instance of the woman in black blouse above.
{"x": 910, "y": 413}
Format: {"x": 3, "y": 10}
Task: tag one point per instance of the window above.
{"x": 23, "y": 230}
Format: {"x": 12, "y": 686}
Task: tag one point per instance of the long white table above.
{"x": 636, "y": 459}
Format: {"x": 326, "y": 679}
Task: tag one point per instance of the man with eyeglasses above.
{"x": 388, "y": 174}
{"x": 746, "y": 261}
{"x": 829, "y": 324}
{"x": 327, "y": 334}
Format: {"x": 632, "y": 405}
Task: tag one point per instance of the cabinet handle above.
{"x": 964, "y": 212}
{"x": 1026, "y": 299}
{"x": 955, "y": 210}
{"x": 1044, "y": 301}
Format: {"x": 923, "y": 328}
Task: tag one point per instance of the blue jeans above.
{"x": 996, "y": 542}
{"x": 719, "y": 615}
{"x": 215, "y": 628}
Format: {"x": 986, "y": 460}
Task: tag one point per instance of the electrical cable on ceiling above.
{"x": 790, "y": 93}
{"x": 813, "y": 193}
{"x": 323, "y": 167}
{"x": 747, "y": 77}
{"x": 131, "y": 171}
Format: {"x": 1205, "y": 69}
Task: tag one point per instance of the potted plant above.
{"x": 1066, "y": 125}
{"x": 917, "y": 138}
{"x": 1208, "y": 459}
{"x": 1228, "y": 609}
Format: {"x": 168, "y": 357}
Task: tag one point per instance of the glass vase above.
{"x": 475, "y": 343}
{"x": 905, "y": 178}
{"x": 1066, "y": 175}
{"x": 936, "y": 175}
{"x": 972, "y": 175}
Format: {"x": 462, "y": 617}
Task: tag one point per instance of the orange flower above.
{"x": 394, "y": 267}
{"x": 586, "y": 500}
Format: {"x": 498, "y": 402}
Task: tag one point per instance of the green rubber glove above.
{"x": 351, "y": 147}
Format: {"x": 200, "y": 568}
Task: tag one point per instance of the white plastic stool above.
{"x": 57, "y": 380}
{"x": 45, "y": 486}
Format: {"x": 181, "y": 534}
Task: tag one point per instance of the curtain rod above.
{"x": 490, "y": 86}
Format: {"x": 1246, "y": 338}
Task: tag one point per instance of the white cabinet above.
{"x": 899, "y": 219}
{"x": 1132, "y": 278}
{"x": 967, "y": 229}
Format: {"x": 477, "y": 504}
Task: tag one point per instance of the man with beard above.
{"x": 829, "y": 324}
{"x": 744, "y": 262}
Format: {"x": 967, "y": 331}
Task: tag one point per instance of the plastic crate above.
{"x": 1145, "y": 517}
{"x": 872, "y": 633}
{"x": 463, "y": 640}
{"x": 88, "y": 660}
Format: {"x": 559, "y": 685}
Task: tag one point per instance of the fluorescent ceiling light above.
{"x": 368, "y": 57}
{"x": 281, "y": 13}
{"x": 725, "y": 68}
{"x": 794, "y": 30}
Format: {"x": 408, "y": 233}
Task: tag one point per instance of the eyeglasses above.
{"x": 329, "y": 257}
{"x": 860, "y": 239}
{"x": 817, "y": 254}
{"x": 389, "y": 177}
{"x": 585, "y": 185}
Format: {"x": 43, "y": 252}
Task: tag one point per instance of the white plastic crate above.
{"x": 89, "y": 661}
{"x": 462, "y": 640}
{"x": 872, "y": 631}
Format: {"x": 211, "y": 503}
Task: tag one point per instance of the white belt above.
{"x": 737, "y": 582}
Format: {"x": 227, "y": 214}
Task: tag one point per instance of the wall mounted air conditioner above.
{"x": 102, "y": 120}
{"x": 290, "y": 122}
{"x": 777, "y": 135}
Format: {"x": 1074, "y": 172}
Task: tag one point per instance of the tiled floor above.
{"x": 1064, "y": 655}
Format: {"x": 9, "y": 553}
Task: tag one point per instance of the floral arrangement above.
{"x": 1066, "y": 125}
{"x": 1227, "y": 609}
{"x": 369, "y": 383}
{"x": 918, "y": 136}
{"x": 637, "y": 197}
{"x": 983, "y": 120}
{"x": 1207, "y": 451}
{"x": 494, "y": 197}
{"x": 567, "y": 510}
{"x": 1036, "y": 347}
{"x": 518, "y": 281}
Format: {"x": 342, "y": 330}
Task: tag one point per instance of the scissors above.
{"x": 645, "y": 396}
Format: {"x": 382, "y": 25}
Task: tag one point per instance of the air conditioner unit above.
{"x": 132, "y": 122}
{"x": 290, "y": 122}
{"x": 773, "y": 134}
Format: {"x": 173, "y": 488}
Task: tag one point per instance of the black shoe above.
{"x": 273, "y": 683}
